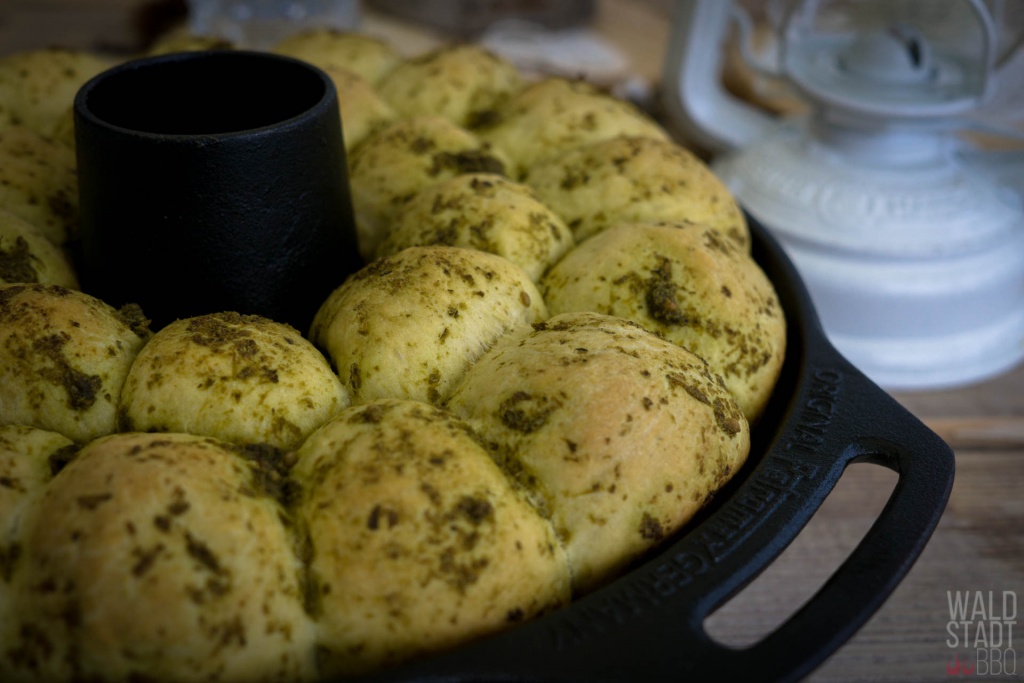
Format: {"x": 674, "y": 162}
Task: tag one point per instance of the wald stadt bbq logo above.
{"x": 980, "y": 633}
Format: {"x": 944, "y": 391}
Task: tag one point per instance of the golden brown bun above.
{"x": 389, "y": 168}
{"x": 38, "y": 87}
{"x": 64, "y": 356}
{"x": 688, "y": 284}
{"x": 408, "y": 325}
{"x": 363, "y": 111}
{"x": 636, "y": 180}
{"x": 238, "y": 378}
{"x": 370, "y": 57}
{"x": 64, "y": 131}
{"x": 183, "y": 41}
{"x": 623, "y": 435}
{"x": 552, "y": 116}
{"x": 28, "y": 457}
{"x": 161, "y": 557}
{"x": 38, "y": 182}
{"x": 27, "y": 256}
{"x": 486, "y": 212}
{"x": 418, "y": 541}
{"x": 462, "y": 83}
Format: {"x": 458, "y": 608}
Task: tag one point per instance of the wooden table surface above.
{"x": 979, "y": 544}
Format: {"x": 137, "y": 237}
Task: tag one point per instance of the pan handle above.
{"x": 864, "y": 581}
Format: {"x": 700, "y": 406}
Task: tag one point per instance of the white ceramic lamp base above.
{"x": 915, "y": 262}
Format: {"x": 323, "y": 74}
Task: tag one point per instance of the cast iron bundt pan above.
{"x": 648, "y": 625}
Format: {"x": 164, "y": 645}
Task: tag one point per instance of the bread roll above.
{"x": 691, "y": 286}
{"x": 462, "y": 83}
{"x": 38, "y": 182}
{"x": 64, "y": 356}
{"x": 389, "y": 168}
{"x": 27, "y": 256}
{"x": 370, "y": 57}
{"x": 621, "y": 434}
{"x": 408, "y": 325}
{"x": 28, "y": 457}
{"x": 486, "y": 212}
{"x": 38, "y": 87}
{"x": 184, "y": 41}
{"x": 238, "y": 378}
{"x": 64, "y": 131}
{"x": 631, "y": 179}
{"x": 418, "y": 541}
{"x": 363, "y": 111}
{"x": 552, "y": 116}
{"x": 160, "y": 557}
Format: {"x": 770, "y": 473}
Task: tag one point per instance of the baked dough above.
{"x": 28, "y": 458}
{"x": 38, "y": 182}
{"x": 184, "y": 41}
{"x": 64, "y": 131}
{"x": 238, "y": 378}
{"x": 461, "y": 82}
{"x": 486, "y": 212}
{"x": 631, "y": 179}
{"x": 162, "y": 557}
{"x": 27, "y": 256}
{"x": 549, "y": 117}
{"x": 691, "y": 286}
{"x": 418, "y": 542}
{"x": 408, "y": 325}
{"x": 38, "y": 87}
{"x": 622, "y": 435}
{"x": 462, "y": 462}
{"x": 389, "y": 168}
{"x": 64, "y": 356}
{"x": 370, "y": 57}
{"x": 363, "y": 111}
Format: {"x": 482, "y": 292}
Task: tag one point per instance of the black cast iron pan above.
{"x": 648, "y": 625}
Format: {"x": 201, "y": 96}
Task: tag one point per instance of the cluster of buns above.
{"x": 550, "y": 362}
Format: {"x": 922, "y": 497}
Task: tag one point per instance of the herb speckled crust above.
{"x": 620, "y": 435}
{"x": 27, "y": 256}
{"x": 178, "y": 41}
{"x": 485, "y": 212}
{"x": 238, "y": 378}
{"x": 27, "y": 455}
{"x": 390, "y": 167}
{"x": 418, "y": 541}
{"x": 408, "y": 325}
{"x": 691, "y": 286}
{"x": 633, "y": 179}
{"x": 159, "y": 557}
{"x": 459, "y": 82}
{"x": 38, "y": 87}
{"x": 370, "y": 57}
{"x": 363, "y": 111}
{"x": 547, "y": 118}
{"x": 38, "y": 182}
{"x": 438, "y": 459}
{"x": 64, "y": 357}
{"x": 355, "y": 64}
